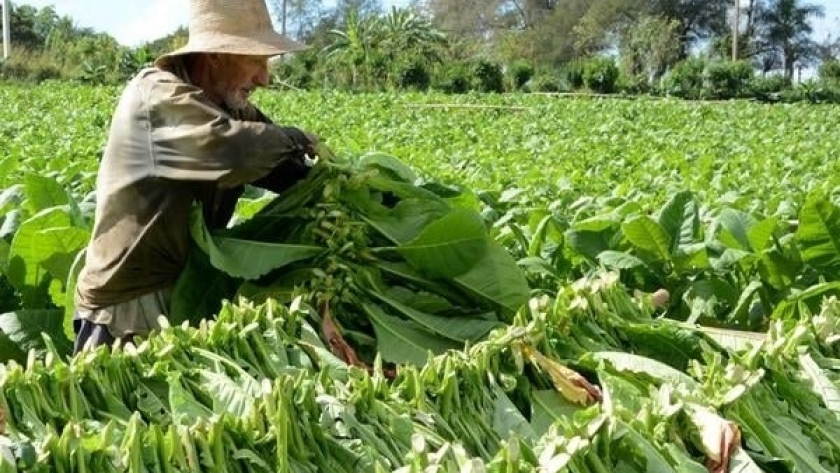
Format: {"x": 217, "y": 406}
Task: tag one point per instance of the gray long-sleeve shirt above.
{"x": 169, "y": 147}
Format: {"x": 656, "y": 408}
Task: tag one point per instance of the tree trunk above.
{"x": 790, "y": 60}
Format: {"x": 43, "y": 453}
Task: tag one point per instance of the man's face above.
{"x": 235, "y": 77}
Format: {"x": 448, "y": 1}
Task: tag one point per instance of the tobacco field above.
{"x": 522, "y": 283}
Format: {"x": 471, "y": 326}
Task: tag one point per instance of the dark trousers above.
{"x": 91, "y": 333}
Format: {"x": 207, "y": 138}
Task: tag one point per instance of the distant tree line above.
{"x": 676, "y": 47}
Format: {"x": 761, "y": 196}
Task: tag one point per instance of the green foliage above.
{"x": 454, "y": 78}
{"x": 829, "y": 71}
{"x": 574, "y": 73}
{"x": 487, "y": 76}
{"x": 685, "y": 80}
{"x": 601, "y": 75}
{"x": 414, "y": 74}
{"x": 812, "y": 92}
{"x": 727, "y": 79}
{"x": 655, "y": 191}
{"x": 520, "y": 72}
{"x": 30, "y": 66}
{"x": 647, "y": 47}
{"x": 545, "y": 82}
{"x": 9, "y": 298}
{"x": 298, "y": 70}
{"x": 769, "y": 87}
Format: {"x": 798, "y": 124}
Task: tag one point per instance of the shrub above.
{"x": 601, "y": 75}
{"x": 730, "y": 79}
{"x": 685, "y": 80}
{"x": 632, "y": 85}
{"x": 573, "y": 71}
{"x": 454, "y": 78}
{"x": 32, "y": 66}
{"x": 816, "y": 92}
{"x": 768, "y": 88}
{"x": 413, "y": 74}
{"x": 520, "y": 73}
{"x": 296, "y": 70}
{"x": 545, "y": 82}
{"x": 830, "y": 71}
{"x": 488, "y": 76}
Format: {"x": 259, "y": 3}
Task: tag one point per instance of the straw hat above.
{"x": 233, "y": 27}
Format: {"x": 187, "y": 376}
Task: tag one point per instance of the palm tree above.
{"x": 370, "y": 44}
{"x": 402, "y": 30}
{"x": 353, "y": 45}
{"x": 786, "y": 27}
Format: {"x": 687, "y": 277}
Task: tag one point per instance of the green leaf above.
{"x": 11, "y": 198}
{"x": 25, "y": 329}
{"x": 741, "y": 314}
{"x": 404, "y": 273}
{"x": 592, "y": 237}
{"x": 449, "y": 246}
{"x": 629, "y": 362}
{"x": 818, "y": 235}
{"x": 548, "y": 406}
{"x": 60, "y": 246}
{"x": 5, "y": 248}
{"x": 546, "y": 230}
{"x": 649, "y": 236}
{"x": 186, "y": 410}
{"x": 507, "y": 418}
{"x": 237, "y": 397}
{"x": 681, "y": 459}
{"x": 760, "y": 236}
{"x": 70, "y": 292}
{"x": 715, "y": 288}
{"x": 391, "y": 166}
{"x": 457, "y": 329}
{"x": 691, "y": 257}
{"x": 496, "y": 279}
{"x": 631, "y": 440}
{"x": 401, "y": 341}
{"x": 670, "y": 342}
{"x": 199, "y": 290}
{"x": 407, "y": 219}
{"x": 620, "y": 260}
{"x": 10, "y": 350}
{"x": 680, "y": 220}
{"x": 736, "y": 227}
{"x": 810, "y": 299}
{"x": 822, "y": 385}
{"x": 730, "y": 258}
{"x": 734, "y": 340}
{"x": 11, "y": 223}
{"x": 246, "y": 259}
{"x": 152, "y": 399}
{"x": 779, "y": 269}
{"x": 28, "y": 250}
{"x": 43, "y": 193}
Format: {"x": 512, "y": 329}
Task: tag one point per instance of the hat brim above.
{"x": 268, "y": 44}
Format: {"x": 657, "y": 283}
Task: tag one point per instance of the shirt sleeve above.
{"x": 192, "y": 139}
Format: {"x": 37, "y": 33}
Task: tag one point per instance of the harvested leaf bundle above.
{"x": 396, "y": 266}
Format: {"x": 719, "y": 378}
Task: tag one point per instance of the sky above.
{"x": 133, "y": 22}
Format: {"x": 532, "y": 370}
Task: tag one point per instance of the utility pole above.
{"x": 735, "y": 30}
{"x": 7, "y": 29}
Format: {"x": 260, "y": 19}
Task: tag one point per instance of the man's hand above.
{"x": 303, "y": 141}
{"x": 294, "y": 166}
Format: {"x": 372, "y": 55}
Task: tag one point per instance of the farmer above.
{"x": 183, "y": 132}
